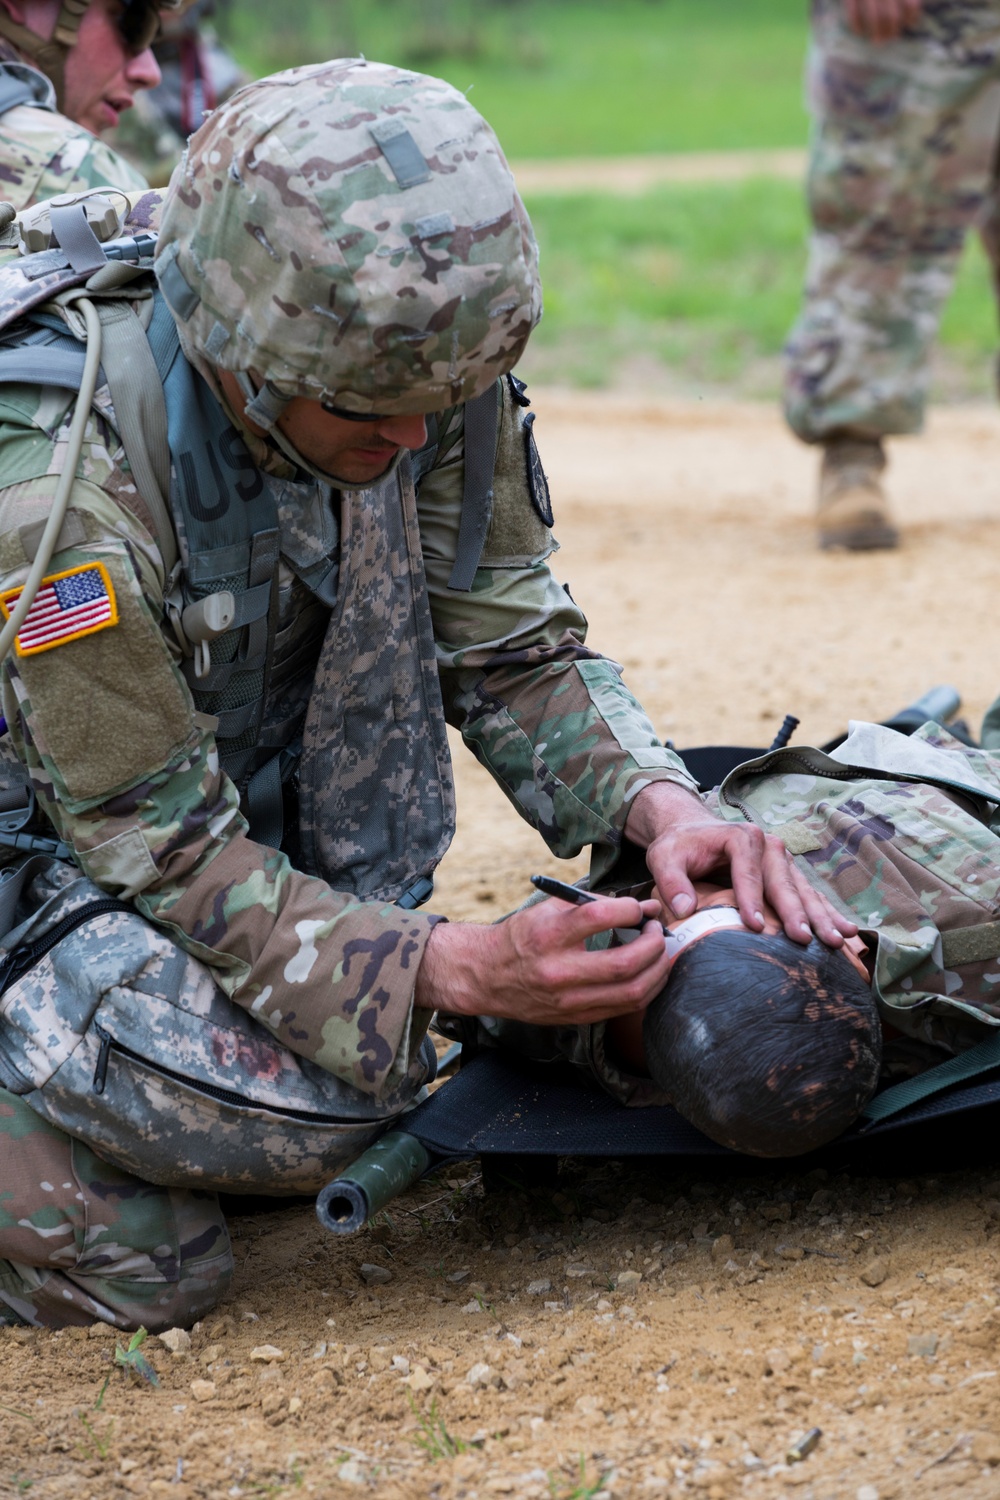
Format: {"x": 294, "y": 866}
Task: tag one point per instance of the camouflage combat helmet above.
{"x": 351, "y": 232}
{"x": 138, "y": 22}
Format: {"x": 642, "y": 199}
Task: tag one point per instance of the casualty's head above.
{"x": 96, "y": 53}
{"x": 768, "y": 1047}
{"x": 345, "y": 244}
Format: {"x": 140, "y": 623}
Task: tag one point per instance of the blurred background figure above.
{"x": 905, "y": 100}
{"x": 68, "y": 70}
{"x": 197, "y": 74}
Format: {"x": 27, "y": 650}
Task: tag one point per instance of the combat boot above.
{"x": 853, "y": 510}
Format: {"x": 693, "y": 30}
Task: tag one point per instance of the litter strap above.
{"x": 979, "y": 1059}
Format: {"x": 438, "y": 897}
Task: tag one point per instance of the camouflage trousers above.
{"x": 132, "y": 1090}
{"x": 82, "y": 1241}
{"x": 902, "y": 163}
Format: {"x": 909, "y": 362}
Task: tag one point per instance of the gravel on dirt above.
{"x": 640, "y": 1332}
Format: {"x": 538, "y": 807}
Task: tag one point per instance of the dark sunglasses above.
{"x": 349, "y": 416}
{"x": 139, "y": 24}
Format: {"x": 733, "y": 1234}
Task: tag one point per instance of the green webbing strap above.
{"x": 477, "y": 493}
{"x": 979, "y": 1059}
{"x": 970, "y": 945}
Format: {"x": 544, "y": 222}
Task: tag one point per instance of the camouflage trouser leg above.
{"x": 903, "y": 145}
{"x": 82, "y": 1241}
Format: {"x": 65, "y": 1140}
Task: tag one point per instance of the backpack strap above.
{"x": 141, "y": 414}
{"x": 20, "y": 84}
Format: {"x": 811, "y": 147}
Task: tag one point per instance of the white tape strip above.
{"x": 706, "y": 920}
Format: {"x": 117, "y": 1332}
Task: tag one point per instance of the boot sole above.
{"x": 877, "y": 538}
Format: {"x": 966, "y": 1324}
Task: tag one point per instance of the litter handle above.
{"x": 939, "y": 703}
{"x": 394, "y": 1163}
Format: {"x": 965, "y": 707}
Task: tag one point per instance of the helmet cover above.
{"x": 351, "y": 232}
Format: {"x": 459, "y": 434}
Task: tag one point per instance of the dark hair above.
{"x": 766, "y": 1046}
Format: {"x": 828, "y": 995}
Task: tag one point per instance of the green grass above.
{"x": 687, "y": 288}
{"x": 571, "y": 77}
{"x": 701, "y": 285}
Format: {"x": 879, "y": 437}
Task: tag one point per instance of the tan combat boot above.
{"x": 853, "y": 510}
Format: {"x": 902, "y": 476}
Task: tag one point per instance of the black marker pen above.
{"x": 549, "y": 886}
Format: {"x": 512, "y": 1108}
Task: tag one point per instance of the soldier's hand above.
{"x": 534, "y": 966}
{"x": 882, "y": 20}
{"x": 685, "y": 842}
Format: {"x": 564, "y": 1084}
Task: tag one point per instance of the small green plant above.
{"x": 582, "y": 1488}
{"x": 268, "y": 1487}
{"x": 21, "y": 1485}
{"x": 433, "y": 1436}
{"x": 97, "y": 1444}
{"x": 133, "y": 1361}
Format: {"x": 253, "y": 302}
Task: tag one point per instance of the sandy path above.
{"x": 767, "y": 1305}
{"x": 637, "y": 174}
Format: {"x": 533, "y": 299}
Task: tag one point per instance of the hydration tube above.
{"x": 74, "y": 447}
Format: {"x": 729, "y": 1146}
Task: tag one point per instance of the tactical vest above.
{"x": 370, "y": 761}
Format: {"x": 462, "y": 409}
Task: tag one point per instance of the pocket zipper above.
{"x": 210, "y": 1090}
{"x": 15, "y": 963}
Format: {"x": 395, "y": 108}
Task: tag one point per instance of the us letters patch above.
{"x": 67, "y": 607}
{"x": 538, "y": 485}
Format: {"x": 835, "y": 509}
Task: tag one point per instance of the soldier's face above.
{"x": 356, "y": 452}
{"x": 102, "y": 74}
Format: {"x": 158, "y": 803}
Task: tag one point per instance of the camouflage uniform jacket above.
{"x": 131, "y": 778}
{"x": 901, "y": 834}
{"x": 42, "y": 153}
{"x": 904, "y": 835}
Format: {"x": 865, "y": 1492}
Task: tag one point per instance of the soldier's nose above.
{"x": 406, "y": 432}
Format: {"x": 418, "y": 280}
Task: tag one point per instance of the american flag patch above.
{"x": 67, "y": 606}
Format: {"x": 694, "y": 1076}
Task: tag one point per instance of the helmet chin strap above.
{"x": 265, "y": 406}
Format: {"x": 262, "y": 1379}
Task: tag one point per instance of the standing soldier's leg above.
{"x": 82, "y": 1241}
{"x": 902, "y": 149}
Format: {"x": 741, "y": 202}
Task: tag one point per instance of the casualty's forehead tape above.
{"x": 709, "y": 919}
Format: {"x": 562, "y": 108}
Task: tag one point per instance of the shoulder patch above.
{"x": 538, "y": 485}
{"x": 67, "y": 607}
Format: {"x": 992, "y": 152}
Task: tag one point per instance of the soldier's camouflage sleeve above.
{"x": 550, "y": 718}
{"x": 42, "y": 154}
{"x": 150, "y": 814}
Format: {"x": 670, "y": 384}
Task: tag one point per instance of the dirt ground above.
{"x": 633, "y": 1332}
{"x": 637, "y": 174}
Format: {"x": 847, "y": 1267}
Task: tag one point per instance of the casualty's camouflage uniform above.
{"x": 42, "y": 153}
{"x": 907, "y": 859}
{"x": 128, "y": 773}
{"x": 904, "y": 139}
